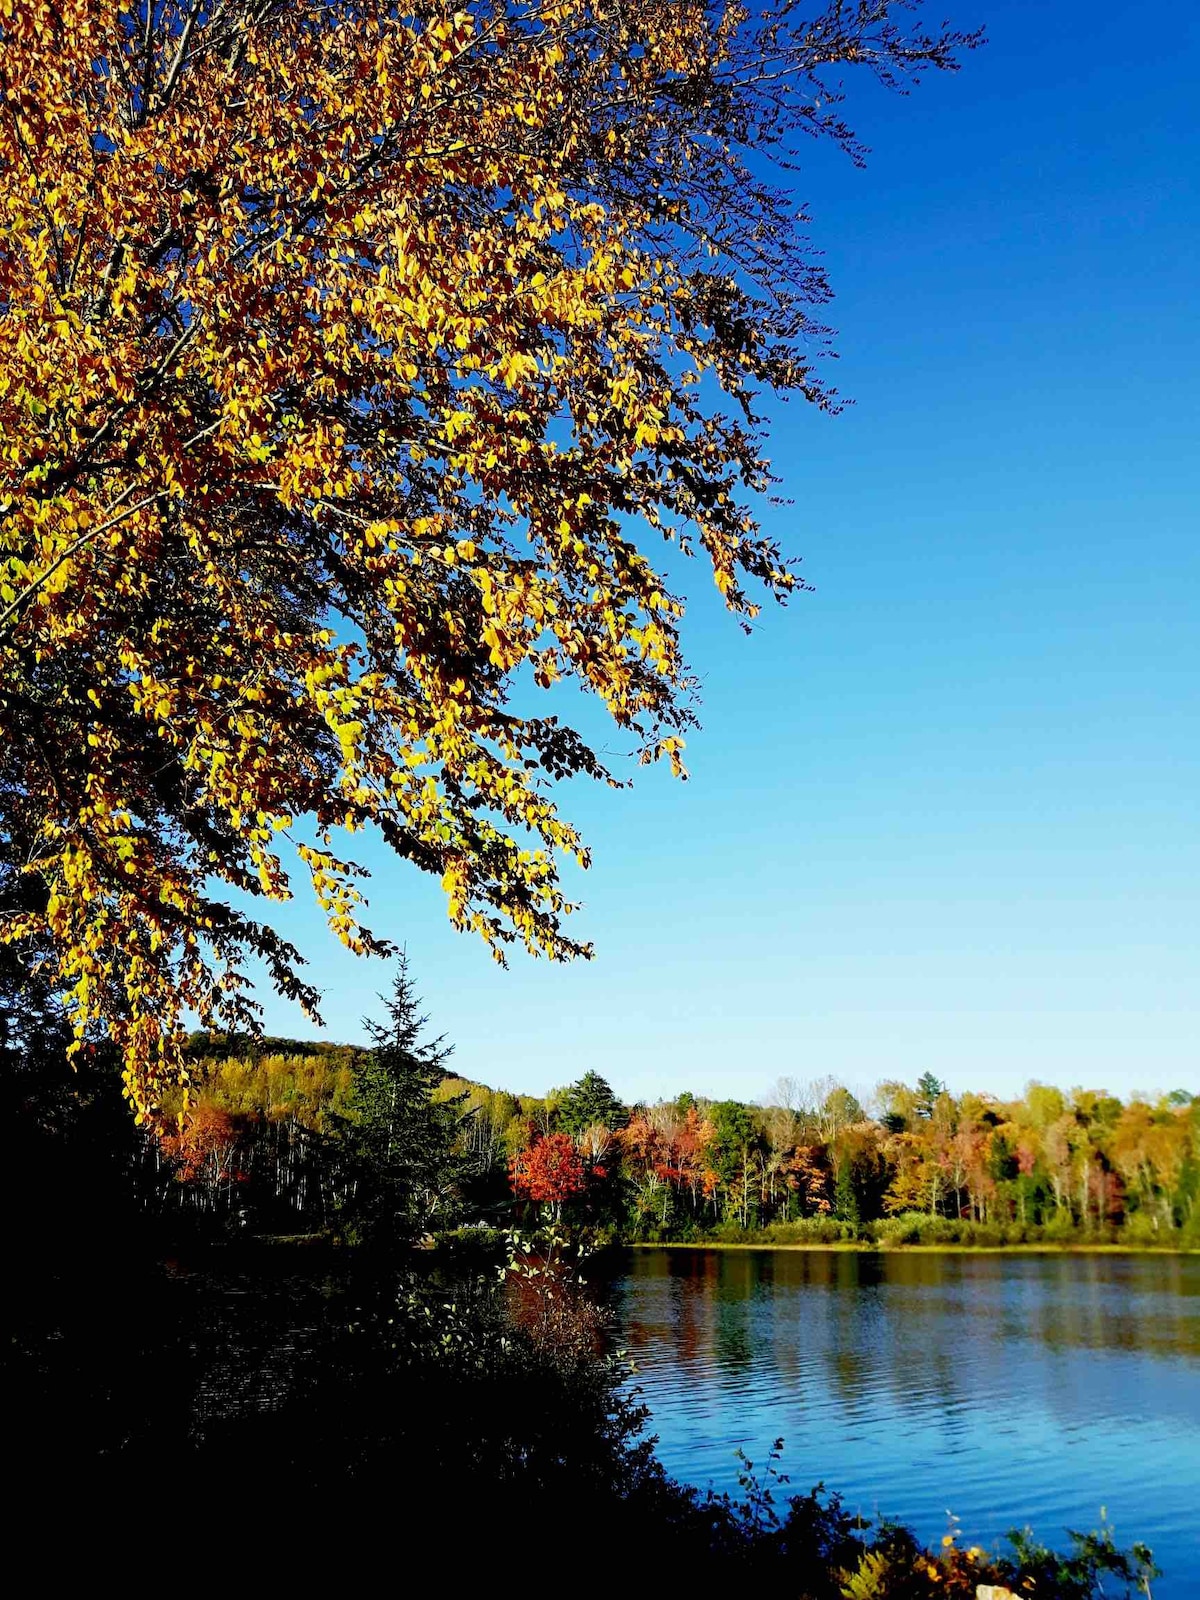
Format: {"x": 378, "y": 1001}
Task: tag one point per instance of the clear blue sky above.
{"x": 943, "y": 811}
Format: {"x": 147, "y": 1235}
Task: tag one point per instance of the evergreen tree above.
{"x": 929, "y": 1088}
{"x": 845, "y": 1195}
{"x": 399, "y": 1141}
{"x": 588, "y": 1102}
{"x": 736, "y": 1136}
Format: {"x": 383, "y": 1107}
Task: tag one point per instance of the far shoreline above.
{"x": 861, "y": 1247}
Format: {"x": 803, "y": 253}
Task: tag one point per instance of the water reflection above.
{"x": 1009, "y": 1389}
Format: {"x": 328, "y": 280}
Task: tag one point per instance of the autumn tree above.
{"x": 859, "y": 1172}
{"x": 916, "y": 1175}
{"x": 549, "y": 1172}
{"x": 897, "y": 1105}
{"x": 34, "y": 1034}
{"x": 808, "y": 1174}
{"x": 488, "y": 1118}
{"x": 346, "y": 354}
{"x": 204, "y": 1152}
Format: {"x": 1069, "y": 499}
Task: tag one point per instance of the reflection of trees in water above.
{"x": 1008, "y": 1388}
{"x": 682, "y": 1300}
{"x": 735, "y": 1345}
{"x": 926, "y": 1331}
{"x": 727, "y": 1285}
{"x": 1143, "y": 1304}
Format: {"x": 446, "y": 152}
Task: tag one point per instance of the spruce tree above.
{"x": 589, "y": 1102}
{"x": 399, "y": 1141}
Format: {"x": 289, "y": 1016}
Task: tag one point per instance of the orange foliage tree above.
{"x": 204, "y": 1148}
{"x": 345, "y": 351}
{"x": 549, "y": 1172}
{"x": 808, "y": 1174}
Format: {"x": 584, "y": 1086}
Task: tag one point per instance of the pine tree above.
{"x": 929, "y": 1088}
{"x": 399, "y": 1141}
{"x": 589, "y": 1102}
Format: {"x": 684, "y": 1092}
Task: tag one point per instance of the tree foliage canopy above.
{"x": 549, "y": 1171}
{"x": 346, "y": 353}
{"x": 589, "y": 1102}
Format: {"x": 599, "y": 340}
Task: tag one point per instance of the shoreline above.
{"x": 865, "y": 1247}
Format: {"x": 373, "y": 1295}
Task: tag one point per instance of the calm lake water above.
{"x": 1008, "y": 1390}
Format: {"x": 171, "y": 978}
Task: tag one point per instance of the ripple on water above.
{"x": 1011, "y": 1390}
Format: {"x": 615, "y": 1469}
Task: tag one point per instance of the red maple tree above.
{"x": 550, "y": 1171}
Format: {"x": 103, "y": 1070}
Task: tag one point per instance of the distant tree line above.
{"x": 383, "y": 1142}
{"x": 915, "y": 1165}
{"x": 920, "y": 1165}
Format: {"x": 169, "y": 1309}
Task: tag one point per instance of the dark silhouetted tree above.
{"x": 399, "y": 1141}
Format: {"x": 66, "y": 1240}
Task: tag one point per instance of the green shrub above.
{"x": 470, "y": 1248}
{"x": 982, "y": 1235}
{"x": 1143, "y": 1229}
{"x": 892, "y": 1231}
{"x": 1059, "y": 1228}
{"x": 917, "y": 1227}
{"x": 810, "y": 1230}
{"x": 734, "y": 1233}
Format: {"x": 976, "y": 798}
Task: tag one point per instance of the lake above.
{"x": 1005, "y": 1389}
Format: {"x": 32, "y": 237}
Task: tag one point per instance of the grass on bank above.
{"x": 869, "y": 1247}
{"x": 921, "y": 1231}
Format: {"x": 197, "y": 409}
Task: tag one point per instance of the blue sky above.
{"x": 943, "y": 811}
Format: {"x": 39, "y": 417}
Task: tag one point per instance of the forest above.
{"x": 275, "y": 1134}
